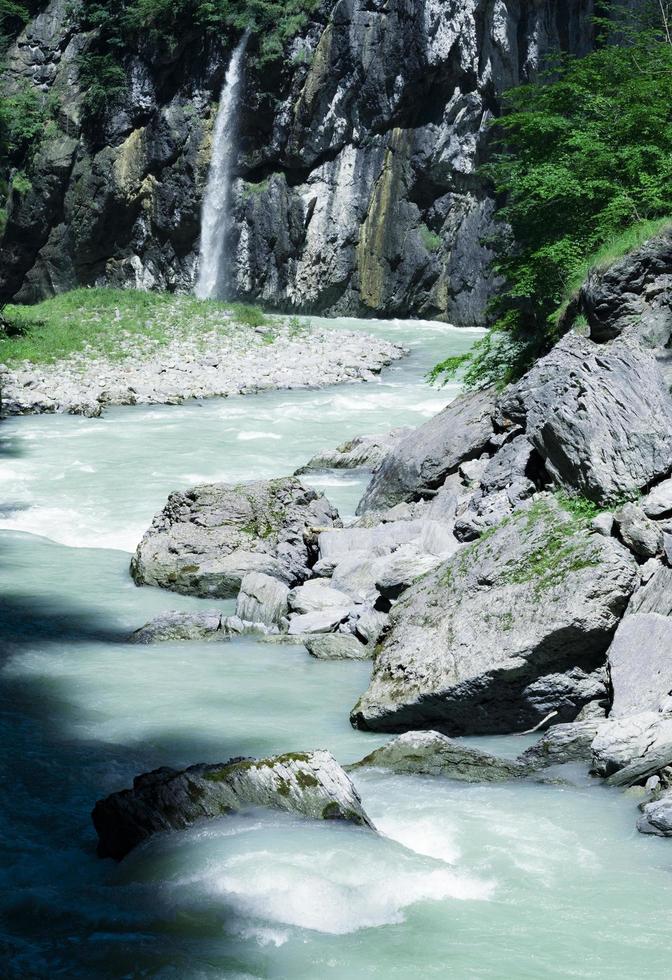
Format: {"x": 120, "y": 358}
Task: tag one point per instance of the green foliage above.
{"x": 583, "y": 166}
{"x": 23, "y": 119}
{"x": 103, "y": 81}
{"x": 430, "y": 239}
{"x": 114, "y": 323}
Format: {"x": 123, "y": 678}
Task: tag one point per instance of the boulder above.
{"x": 565, "y": 692}
{"x": 370, "y": 624}
{"x": 570, "y": 742}
{"x": 658, "y": 502}
{"x": 638, "y": 532}
{"x": 538, "y": 596}
{"x": 176, "y": 625}
{"x": 316, "y": 595}
{"x": 320, "y": 621}
{"x": 600, "y": 417}
{"x": 393, "y": 574}
{"x": 655, "y": 595}
{"x": 430, "y": 753}
{"x": 337, "y": 646}
{"x": 308, "y": 783}
{"x": 420, "y": 462}
{"x": 627, "y": 750}
{"x": 207, "y": 539}
{"x": 640, "y": 665}
{"x": 262, "y": 599}
{"x": 361, "y": 452}
{"x": 657, "y": 816}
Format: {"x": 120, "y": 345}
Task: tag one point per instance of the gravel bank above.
{"x": 214, "y": 364}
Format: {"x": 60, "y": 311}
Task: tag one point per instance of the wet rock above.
{"x": 207, "y": 539}
{"x": 361, "y": 452}
{"x": 640, "y": 534}
{"x": 640, "y": 665}
{"x": 570, "y": 742}
{"x": 316, "y": 595}
{"x": 600, "y": 417}
{"x": 422, "y": 460}
{"x": 540, "y": 595}
{"x": 337, "y": 646}
{"x": 430, "y": 753}
{"x": 308, "y": 783}
{"x": 183, "y": 626}
{"x": 262, "y": 599}
{"x": 657, "y": 816}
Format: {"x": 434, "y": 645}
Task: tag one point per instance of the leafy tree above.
{"x": 577, "y": 160}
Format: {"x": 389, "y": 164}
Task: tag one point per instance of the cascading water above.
{"x": 215, "y": 212}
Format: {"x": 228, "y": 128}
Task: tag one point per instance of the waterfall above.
{"x": 215, "y": 217}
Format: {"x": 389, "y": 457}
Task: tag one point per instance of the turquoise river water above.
{"x": 465, "y": 881}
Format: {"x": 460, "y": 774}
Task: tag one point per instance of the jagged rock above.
{"x": 309, "y": 783}
{"x": 603, "y": 524}
{"x": 430, "y": 753}
{"x": 539, "y": 595}
{"x": 632, "y": 746}
{"x": 370, "y": 624}
{"x": 600, "y": 417}
{"x": 593, "y": 711}
{"x": 657, "y": 816}
{"x": 570, "y": 742}
{"x": 320, "y": 621}
{"x": 361, "y": 452}
{"x": 655, "y": 595}
{"x": 640, "y": 665}
{"x": 316, "y": 595}
{"x": 658, "y": 502}
{"x": 337, "y": 646}
{"x": 640, "y": 534}
{"x": 394, "y": 573}
{"x": 207, "y": 539}
{"x": 423, "y": 459}
{"x": 262, "y": 599}
{"x": 564, "y": 692}
{"x": 176, "y": 625}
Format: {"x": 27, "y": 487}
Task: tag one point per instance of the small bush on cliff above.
{"x": 578, "y": 160}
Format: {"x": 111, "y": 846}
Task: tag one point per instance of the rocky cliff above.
{"x": 356, "y": 187}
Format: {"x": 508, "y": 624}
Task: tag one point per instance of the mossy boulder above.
{"x": 469, "y": 646}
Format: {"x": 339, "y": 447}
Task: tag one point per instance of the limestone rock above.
{"x": 206, "y": 539}
{"x": 640, "y": 534}
{"x": 657, "y": 816}
{"x": 370, "y": 624}
{"x": 316, "y": 595}
{"x": 655, "y": 595}
{"x": 361, "y": 452}
{"x": 394, "y": 574}
{"x": 430, "y": 753}
{"x": 319, "y": 621}
{"x": 640, "y": 665}
{"x": 600, "y": 417}
{"x": 570, "y": 742}
{"x": 262, "y": 599}
{"x": 658, "y": 502}
{"x": 629, "y": 749}
{"x": 308, "y": 783}
{"x": 183, "y": 626}
{"x": 539, "y": 596}
{"x": 423, "y": 459}
{"x": 337, "y": 646}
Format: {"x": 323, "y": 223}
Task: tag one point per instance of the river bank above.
{"x": 190, "y": 349}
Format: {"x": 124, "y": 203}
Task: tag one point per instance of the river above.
{"x": 508, "y": 881}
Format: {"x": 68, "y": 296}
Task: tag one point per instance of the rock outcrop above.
{"x": 207, "y": 539}
{"x": 308, "y": 783}
{"x": 537, "y": 596}
{"x": 432, "y": 754}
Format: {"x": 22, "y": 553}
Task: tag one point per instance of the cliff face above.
{"x": 356, "y": 189}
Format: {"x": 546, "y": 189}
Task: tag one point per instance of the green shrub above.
{"x": 430, "y": 239}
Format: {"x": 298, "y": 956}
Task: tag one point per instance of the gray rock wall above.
{"x": 356, "y": 187}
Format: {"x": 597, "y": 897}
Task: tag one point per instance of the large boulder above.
{"x": 309, "y": 783}
{"x": 360, "y": 452}
{"x": 262, "y": 599}
{"x": 640, "y": 665}
{"x": 433, "y": 754}
{"x": 537, "y": 596}
{"x": 600, "y": 417}
{"x": 422, "y": 460}
{"x": 207, "y": 539}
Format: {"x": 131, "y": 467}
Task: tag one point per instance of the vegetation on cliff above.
{"x": 583, "y": 164}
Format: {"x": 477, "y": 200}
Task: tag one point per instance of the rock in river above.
{"x": 536, "y": 596}
{"x": 309, "y": 783}
{"x": 433, "y": 754}
{"x": 206, "y": 539}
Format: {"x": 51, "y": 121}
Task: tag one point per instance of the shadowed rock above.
{"x": 308, "y": 783}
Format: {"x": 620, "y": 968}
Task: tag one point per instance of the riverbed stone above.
{"x": 262, "y": 599}
{"x": 360, "y": 452}
{"x": 569, "y": 742}
{"x": 308, "y": 783}
{"x": 318, "y": 621}
{"x": 206, "y": 539}
{"x": 177, "y": 625}
{"x": 337, "y": 646}
{"x": 420, "y": 462}
{"x": 315, "y": 595}
{"x": 635, "y": 746}
{"x": 657, "y": 816}
{"x": 433, "y": 754}
{"x": 599, "y": 417}
{"x": 539, "y": 595}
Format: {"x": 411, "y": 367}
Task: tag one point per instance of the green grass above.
{"x": 430, "y": 239}
{"x": 620, "y": 245}
{"x": 107, "y": 322}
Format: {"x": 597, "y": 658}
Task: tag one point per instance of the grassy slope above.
{"x": 108, "y": 321}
